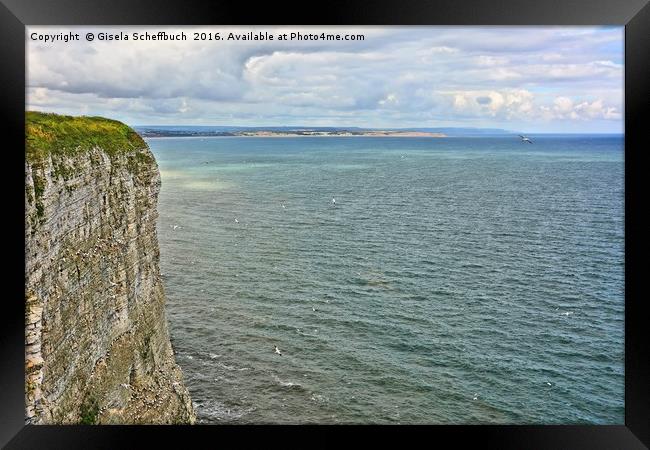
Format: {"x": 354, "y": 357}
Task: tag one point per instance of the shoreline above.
{"x": 300, "y": 136}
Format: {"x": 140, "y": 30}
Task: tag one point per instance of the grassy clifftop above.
{"x": 53, "y": 134}
{"x": 58, "y": 150}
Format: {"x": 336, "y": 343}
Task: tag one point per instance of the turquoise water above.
{"x": 454, "y": 280}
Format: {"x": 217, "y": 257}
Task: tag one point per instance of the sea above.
{"x": 474, "y": 280}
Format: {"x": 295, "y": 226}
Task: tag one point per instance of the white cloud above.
{"x": 563, "y": 105}
{"x": 488, "y": 60}
{"x": 443, "y": 49}
{"x": 505, "y": 103}
{"x": 390, "y": 99}
{"x": 596, "y": 109}
{"x": 521, "y": 103}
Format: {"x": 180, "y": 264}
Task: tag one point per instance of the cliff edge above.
{"x": 97, "y": 344}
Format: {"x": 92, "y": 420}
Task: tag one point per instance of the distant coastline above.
{"x": 292, "y": 133}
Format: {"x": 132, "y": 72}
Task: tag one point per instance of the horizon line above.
{"x": 500, "y": 130}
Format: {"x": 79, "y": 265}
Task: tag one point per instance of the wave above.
{"x": 215, "y": 410}
{"x": 287, "y": 384}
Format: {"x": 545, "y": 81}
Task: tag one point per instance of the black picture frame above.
{"x": 633, "y": 14}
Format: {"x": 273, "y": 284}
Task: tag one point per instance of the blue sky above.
{"x": 528, "y": 79}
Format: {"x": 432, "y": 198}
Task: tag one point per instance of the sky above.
{"x": 525, "y": 79}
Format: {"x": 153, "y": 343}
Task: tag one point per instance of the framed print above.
{"x": 405, "y": 218}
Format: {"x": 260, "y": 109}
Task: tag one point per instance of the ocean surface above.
{"x": 452, "y": 281}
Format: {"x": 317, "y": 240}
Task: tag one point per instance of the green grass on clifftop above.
{"x": 49, "y": 134}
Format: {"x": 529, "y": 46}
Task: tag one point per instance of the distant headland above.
{"x": 152, "y": 131}
{"x": 168, "y": 132}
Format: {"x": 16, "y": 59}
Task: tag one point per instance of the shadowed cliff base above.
{"x": 97, "y": 344}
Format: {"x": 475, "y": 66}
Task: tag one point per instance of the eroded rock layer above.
{"x": 97, "y": 344}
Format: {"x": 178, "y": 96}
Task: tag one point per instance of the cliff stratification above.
{"x": 97, "y": 344}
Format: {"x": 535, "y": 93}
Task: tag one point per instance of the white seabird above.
{"x": 313, "y": 309}
{"x": 236, "y": 221}
{"x": 525, "y": 139}
{"x": 334, "y": 201}
{"x": 277, "y": 350}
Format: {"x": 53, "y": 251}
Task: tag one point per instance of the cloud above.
{"x": 505, "y": 103}
{"x": 508, "y": 104}
{"x": 596, "y": 109}
{"x": 487, "y": 60}
{"x": 398, "y": 76}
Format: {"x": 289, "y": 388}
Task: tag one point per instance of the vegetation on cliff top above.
{"x": 49, "y": 134}
{"x": 56, "y": 139}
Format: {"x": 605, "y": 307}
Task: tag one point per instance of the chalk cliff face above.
{"x": 97, "y": 344}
